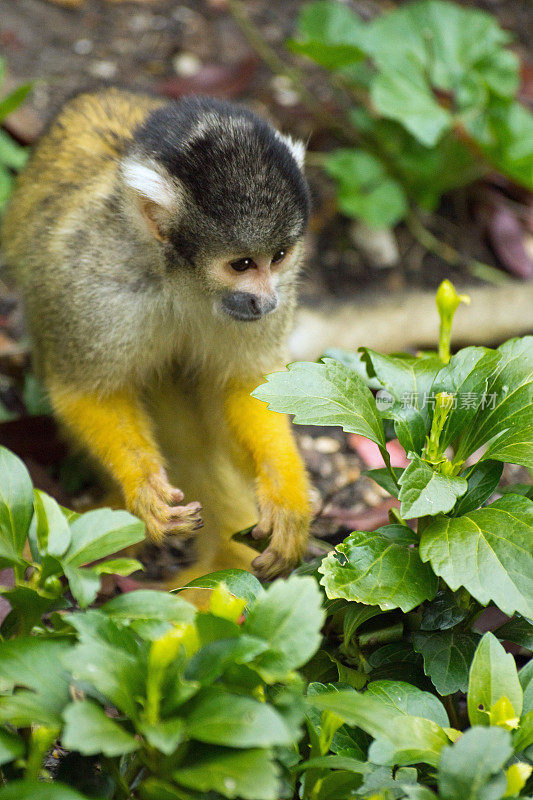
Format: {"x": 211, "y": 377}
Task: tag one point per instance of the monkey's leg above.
{"x": 282, "y": 484}
{"x": 115, "y": 428}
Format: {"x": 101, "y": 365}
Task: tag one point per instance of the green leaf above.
{"x": 149, "y": 605}
{"x": 100, "y": 533}
{"x": 525, "y": 676}
{"x": 249, "y": 774}
{"x": 443, "y": 612}
{"x": 12, "y": 101}
{"x": 166, "y": 735}
{"x": 84, "y": 584}
{"x": 410, "y": 739}
{"x": 52, "y": 528}
{"x": 210, "y": 662}
{"x": 35, "y": 665}
{"x": 90, "y": 731}
{"x": 239, "y": 582}
{"x": 409, "y": 381}
{"x": 383, "y": 478}
{"x": 27, "y": 607}
{"x": 16, "y": 505}
{"x": 447, "y": 656}
{"x": 523, "y": 737}
{"x": 425, "y": 492}
{"x": 466, "y": 769}
{"x": 11, "y": 153}
{"x": 324, "y": 394}
{"x": 288, "y": 616}
{"x": 405, "y": 96}
{"x": 11, "y": 747}
{"x": 482, "y": 482}
{"x": 355, "y": 615}
{"x": 517, "y": 630}
{"x": 409, "y": 700}
{"x": 504, "y": 417}
{"x": 331, "y": 34}
{"x": 379, "y": 568}
{"x": 488, "y": 552}
{"x": 36, "y": 790}
{"x": 235, "y": 721}
{"x": 493, "y": 675}
{"x": 365, "y": 190}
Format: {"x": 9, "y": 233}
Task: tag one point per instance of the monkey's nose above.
{"x": 248, "y": 306}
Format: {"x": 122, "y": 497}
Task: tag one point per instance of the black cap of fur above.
{"x": 248, "y": 190}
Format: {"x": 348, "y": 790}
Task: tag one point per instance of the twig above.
{"x": 450, "y": 255}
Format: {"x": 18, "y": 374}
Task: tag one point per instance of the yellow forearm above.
{"x": 267, "y": 436}
{"x": 115, "y": 429}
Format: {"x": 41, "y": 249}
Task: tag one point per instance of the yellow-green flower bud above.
{"x": 224, "y": 604}
{"x": 517, "y": 775}
{"x": 166, "y": 649}
{"x": 448, "y": 300}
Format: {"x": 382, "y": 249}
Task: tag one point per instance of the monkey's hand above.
{"x": 156, "y": 503}
{"x": 287, "y": 525}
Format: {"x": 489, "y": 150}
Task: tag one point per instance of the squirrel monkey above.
{"x": 157, "y": 246}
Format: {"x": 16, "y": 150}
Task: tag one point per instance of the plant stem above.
{"x": 393, "y": 633}
{"x": 452, "y": 713}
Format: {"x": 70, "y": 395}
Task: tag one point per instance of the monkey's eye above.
{"x": 279, "y": 256}
{"x": 242, "y": 264}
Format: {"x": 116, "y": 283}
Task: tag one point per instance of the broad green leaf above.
{"x": 468, "y": 767}
{"x": 409, "y": 381}
{"x": 518, "y": 630}
{"x": 525, "y": 489}
{"x": 410, "y": 739}
{"x": 248, "y": 774}
{"x": 330, "y": 33}
{"x": 52, "y": 528}
{"x": 16, "y": 505}
{"x": 355, "y": 615}
{"x": 525, "y": 676}
{"x": 209, "y": 663}
{"x": 324, "y": 394}
{"x": 405, "y": 96}
{"x": 89, "y": 730}
{"x": 379, "y": 568}
{"x": 365, "y": 190}
{"x": 444, "y": 612}
{"x": 83, "y": 582}
{"x": 408, "y": 700}
{"x": 288, "y": 616}
{"x": 482, "y": 482}
{"x": 487, "y": 551}
{"x": 117, "y": 566}
{"x": 505, "y": 417}
{"x": 235, "y": 721}
{"x": 11, "y": 747}
{"x": 238, "y": 581}
{"x": 109, "y": 659}
{"x": 149, "y": 604}
{"x": 34, "y": 664}
{"x": 27, "y": 607}
{"x": 447, "y": 657}
{"x": 165, "y": 735}
{"x": 493, "y": 675}
{"x": 425, "y": 492}
{"x": 333, "y": 762}
{"x": 100, "y": 533}
{"x": 36, "y": 790}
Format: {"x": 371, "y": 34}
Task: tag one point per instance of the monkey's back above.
{"x": 79, "y": 152}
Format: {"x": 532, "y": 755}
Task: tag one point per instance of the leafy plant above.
{"x": 12, "y": 155}
{"x": 435, "y": 92}
{"x": 364, "y": 676}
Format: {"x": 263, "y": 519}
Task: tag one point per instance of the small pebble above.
{"x": 284, "y": 93}
{"x": 103, "y": 69}
{"x": 83, "y": 47}
{"x": 327, "y": 445}
{"x": 186, "y": 64}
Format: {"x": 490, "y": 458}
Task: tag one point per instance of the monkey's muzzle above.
{"x": 248, "y": 307}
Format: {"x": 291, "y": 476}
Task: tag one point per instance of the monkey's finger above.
{"x": 270, "y": 564}
{"x": 184, "y": 512}
{"x": 259, "y": 532}
{"x": 176, "y": 496}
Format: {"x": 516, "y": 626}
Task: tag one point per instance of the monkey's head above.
{"x": 222, "y": 194}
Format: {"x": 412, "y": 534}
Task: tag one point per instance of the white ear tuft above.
{"x": 149, "y": 183}
{"x": 296, "y": 146}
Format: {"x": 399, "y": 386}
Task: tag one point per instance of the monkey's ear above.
{"x": 296, "y": 146}
{"x": 157, "y": 196}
